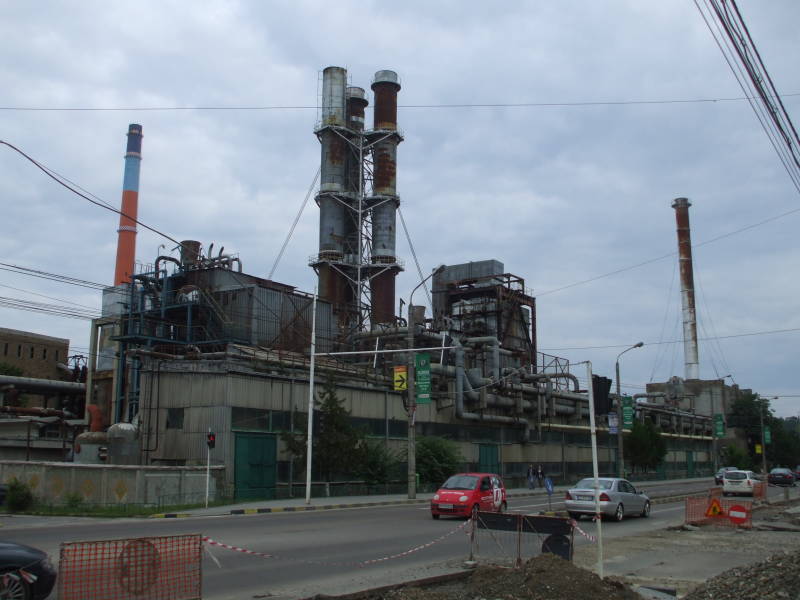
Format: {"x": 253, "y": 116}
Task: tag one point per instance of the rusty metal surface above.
{"x": 382, "y": 288}
{"x": 385, "y": 169}
{"x": 385, "y": 114}
{"x": 681, "y": 206}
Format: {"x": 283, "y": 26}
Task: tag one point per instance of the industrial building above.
{"x": 192, "y": 343}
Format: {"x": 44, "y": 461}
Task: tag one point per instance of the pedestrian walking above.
{"x": 540, "y": 475}
{"x": 531, "y": 477}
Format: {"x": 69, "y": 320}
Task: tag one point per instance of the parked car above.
{"x": 738, "y": 482}
{"x": 721, "y": 472}
{"x": 465, "y": 494}
{"x": 781, "y": 476}
{"x": 618, "y": 498}
{"x": 17, "y": 560}
{"x": 797, "y": 472}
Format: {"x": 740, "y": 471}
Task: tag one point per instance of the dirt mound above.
{"x": 545, "y": 577}
{"x": 776, "y": 578}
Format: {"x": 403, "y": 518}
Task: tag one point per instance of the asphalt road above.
{"x": 321, "y": 551}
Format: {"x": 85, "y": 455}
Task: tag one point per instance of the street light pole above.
{"x": 620, "y": 423}
{"x": 411, "y": 407}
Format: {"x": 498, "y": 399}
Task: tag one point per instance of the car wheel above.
{"x": 646, "y": 510}
{"x": 619, "y": 514}
{"x": 14, "y": 589}
{"x": 434, "y": 515}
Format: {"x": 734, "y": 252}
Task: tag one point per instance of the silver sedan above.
{"x": 618, "y": 498}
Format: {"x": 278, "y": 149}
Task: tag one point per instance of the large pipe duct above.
{"x": 385, "y": 86}
{"x": 126, "y": 240}
{"x": 691, "y": 363}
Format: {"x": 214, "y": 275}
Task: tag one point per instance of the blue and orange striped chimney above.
{"x": 126, "y": 242}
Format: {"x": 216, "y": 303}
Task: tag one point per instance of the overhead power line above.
{"x": 576, "y": 104}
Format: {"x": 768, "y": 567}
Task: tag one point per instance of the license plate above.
{"x": 446, "y": 506}
{"x": 585, "y": 498}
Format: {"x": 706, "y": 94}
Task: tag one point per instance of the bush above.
{"x": 437, "y": 459}
{"x": 19, "y": 496}
{"x": 73, "y": 500}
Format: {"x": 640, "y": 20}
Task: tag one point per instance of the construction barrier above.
{"x": 156, "y": 568}
{"x": 515, "y": 536}
{"x": 713, "y": 510}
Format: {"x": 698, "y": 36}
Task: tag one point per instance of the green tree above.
{"x": 733, "y": 456}
{"x": 645, "y": 447}
{"x": 11, "y": 370}
{"x": 335, "y": 443}
{"x": 376, "y": 463}
{"x": 437, "y": 459}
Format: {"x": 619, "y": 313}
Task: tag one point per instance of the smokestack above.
{"x": 333, "y": 215}
{"x": 691, "y": 364}
{"x": 385, "y": 86}
{"x": 126, "y": 241}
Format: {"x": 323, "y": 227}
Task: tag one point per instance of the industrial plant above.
{"x": 191, "y": 343}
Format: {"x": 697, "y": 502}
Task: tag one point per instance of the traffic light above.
{"x": 211, "y": 439}
{"x": 601, "y": 386}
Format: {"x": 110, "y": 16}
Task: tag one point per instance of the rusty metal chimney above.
{"x": 385, "y": 201}
{"x": 691, "y": 364}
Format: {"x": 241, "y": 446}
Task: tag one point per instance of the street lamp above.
{"x": 620, "y": 423}
{"x": 411, "y": 407}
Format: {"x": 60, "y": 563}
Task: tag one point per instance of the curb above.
{"x": 171, "y": 516}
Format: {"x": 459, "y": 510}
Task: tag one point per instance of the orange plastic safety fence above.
{"x": 156, "y": 568}
{"x": 719, "y": 511}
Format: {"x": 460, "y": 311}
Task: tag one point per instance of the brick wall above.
{"x": 37, "y": 355}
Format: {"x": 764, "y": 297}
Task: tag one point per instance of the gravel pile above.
{"x": 777, "y": 578}
{"x": 545, "y": 577}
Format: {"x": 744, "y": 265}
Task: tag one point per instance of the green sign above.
{"x": 627, "y": 412}
{"x": 719, "y": 426}
{"x": 767, "y": 435}
{"x": 422, "y": 377}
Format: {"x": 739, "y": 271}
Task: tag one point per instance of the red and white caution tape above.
{"x": 364, "y": 563}
{"x": 591, "y": 538}
{"x": 208, "y": 540}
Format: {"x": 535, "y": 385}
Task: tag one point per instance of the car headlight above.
{"x": 436, "y": 496}
{"x": 463, "y": 499}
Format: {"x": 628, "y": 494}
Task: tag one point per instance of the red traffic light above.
{"x": 211, "y": 439}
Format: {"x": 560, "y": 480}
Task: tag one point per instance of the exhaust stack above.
{"x": 691, "y": 363}
{"x": 126, "y": 240}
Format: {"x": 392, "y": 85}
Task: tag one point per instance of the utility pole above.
{"x": 411, "y": 407}
{"x": 620, "y": 422}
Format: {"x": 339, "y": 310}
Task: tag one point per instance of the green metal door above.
{"x": 255, "y": 466}
{"x": 488, "y": 458}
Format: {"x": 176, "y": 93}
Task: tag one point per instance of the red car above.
{"x": 464, "y": 494}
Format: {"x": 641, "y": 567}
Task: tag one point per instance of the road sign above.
{"x": 758, "y": 448}
{"x": 719, "y": 425}
{"x": 400, "y": 378}
{"x": 613, "y": 423}
{"x": 548, "y": 485}
{"x": 422, "y": 377}
{"x": 627, "y": 412}
{"x": 715, "y": 509}
{"x": 767, "y": 435}
{"x": 738, "y": 514}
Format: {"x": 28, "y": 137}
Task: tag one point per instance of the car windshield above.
{"x": 780, "y": 471}
{"x": 460, "y": 482}
{"x": 735, "y": 475}
{"x": 588, "y": 484}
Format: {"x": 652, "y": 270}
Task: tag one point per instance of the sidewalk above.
{"x": 299, "y": 504}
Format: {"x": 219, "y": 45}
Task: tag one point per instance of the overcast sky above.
{"x": 559, "y": 194}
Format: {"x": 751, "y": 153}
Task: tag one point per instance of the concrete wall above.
{"x": 37, "y": 355}
{"x": 114, "y": 484}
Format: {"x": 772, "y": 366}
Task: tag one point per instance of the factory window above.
{"x": 31, "y": 351}
{"x": 56, "y": 355}
{"x": 19, "y": 351}
{"x": 250, "y": 418}
{"x": 44, "y": 353}
{"x": 5, "y": 349}
{"x": 174, "y": 418}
